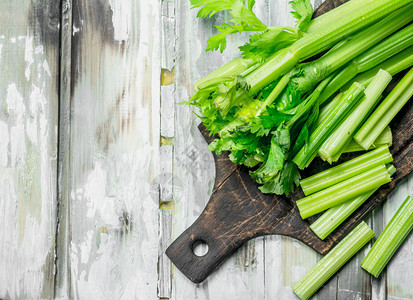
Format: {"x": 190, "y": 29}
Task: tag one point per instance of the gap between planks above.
{"x": 62, "y": 262}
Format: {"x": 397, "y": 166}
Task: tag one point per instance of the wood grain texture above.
{"x": 62, "y": 261}
{"x": 397, "y": 276}
{"x": 29, "y": 63}
{"x": 243, "y": 274}
{"x": 114, "y": 149}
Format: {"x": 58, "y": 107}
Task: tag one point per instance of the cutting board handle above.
{"x": 197, "y": 268}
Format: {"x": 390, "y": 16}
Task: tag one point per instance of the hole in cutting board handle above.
{"x": 200, "y": 248}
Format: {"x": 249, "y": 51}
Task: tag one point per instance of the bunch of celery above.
{"x": 264, "y": 108}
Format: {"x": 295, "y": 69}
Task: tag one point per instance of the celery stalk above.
{"x": 344, "y": 132}
{"x": 313, "y": 43}
{"x": 360, "y": 42}
{"x": 391, "y": 238}
{"x": 384, "y": 139}
{"x": 325, "y": 110}
{"x": 343, "y": 191}
{"x": 385, "y": 112}
{"x": 333, "y": 217}
{"x": 231, "y": 68}
{"x": 309, "y": 150}
{"x": 333, "y": 261}
{"x": 334, "y": 14}
{"x": 393, "y": 65}
{"x": 369, "y": 59}
{"x": 353, "y": 167}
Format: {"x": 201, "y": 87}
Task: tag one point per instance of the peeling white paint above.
{"x": 27, "y": 168}
{"x": 85, "y": 247}
{"x": 38, "y": 49}
{"x": 75, "y": 30}
{"x": 14, "y": 101}
{"x": 46, "y": 68}
{"x": 4, "y": 143}
{"x": 121, "y": 19}
{"x": 36, "y": 109}
{"x": 28, "y": 56}
{"x": 98, "y": 204}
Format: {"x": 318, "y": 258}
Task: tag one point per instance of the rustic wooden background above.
{"x": 100, "y": 169}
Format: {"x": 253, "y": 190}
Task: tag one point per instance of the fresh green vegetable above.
{"x": 344, "y": 132}
{"x": 351, "y": 168}
{"x": 385, "y": 112}
{"x": 369, "y": 59}
{"x": 391, "y": 238}
{"x": 305, "y": 76}
{"x": 393, "y": 65}
{"x": 336, "y": 215}
{"x": 225, "y": 73}
{"x": 320, "y": 134}
{"x": 343, "y": 191}
{"x": 239, "y": 102}
{"x": 333, "y": 261}
{"x": 313, "y": 43}
{"x": 244, "y": 19}
{"x": 326, "y": 109}
{"x": 384, "y": 139}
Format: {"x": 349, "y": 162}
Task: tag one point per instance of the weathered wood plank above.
{"x": 353, "y": 282}
{"x": 165, "y": 275}
{"x": 287, "y": 260}
{"x": 62, "y": 277}
{"x": 378, "y": 286}
{"x": 399, "y": 270}
{"x": 115, "y": 135}
{"x": 242, "y": 276}
{"x": 29, "y": 60}
{"x": 167, "y": 115}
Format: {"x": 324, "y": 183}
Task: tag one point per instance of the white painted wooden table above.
{"x": 100, "y": 169}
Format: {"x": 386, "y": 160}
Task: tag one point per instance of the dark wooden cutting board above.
{"x": 237, "y": 211}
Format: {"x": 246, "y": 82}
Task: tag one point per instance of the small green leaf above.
{"x": 303, "y": 12}
{"x": 290, "y": 176}
{"x": 263, "y": 45}
{"x": 271, "y": 166}
{"x": 273, "y": 186}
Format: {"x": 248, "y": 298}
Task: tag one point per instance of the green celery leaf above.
{"x": 289, "y": 98}
{"x": 244, "y": 15}
{"x": 271, "y": 166}
{"x": 243, "y": 19}
{"x": 290, "y": 175}
{"x": 219, "y": 41}
{"x": 266, "y": 91}
{"x": 303, "y": 12}
{"x": 301, "y": 140}
{"x": 263, "y": 45}
{"x": 282, "y": 137}
{"x": 251, "y": 4}
{"x": 273, "y": 186}
{"x": 211, "y": 7}
{"x": 273, "y": 118}
{"x": 231, "y": 94}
